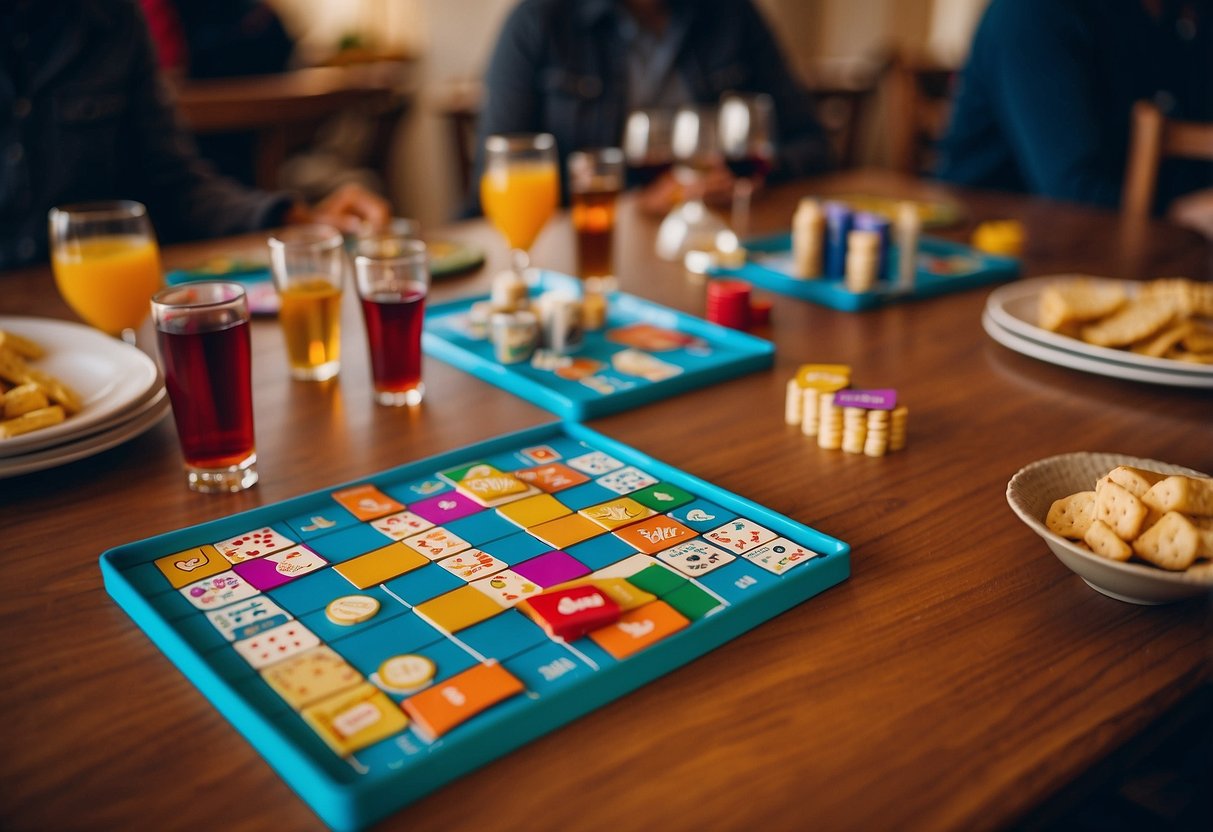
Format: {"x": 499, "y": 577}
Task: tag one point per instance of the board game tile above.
{"x": 457, "y": 474}
{"x": 553, "y": 449}
{"x": 620, "y": 590}
{"x": 370, "y": 647}
{"x": 422, "y": 584}
{"x": 415, "y": 490}
{"x": 701, "y": 515}
{"x": 347, "y": 543}
{"x": 657, "y": 579}
{"x": 516, "y": 548}
{"x": 437, "y": 543}
{"x": 190, "y": 565}
{"x": 491, "y": 487}
{"x": 197, "y": 630}
{"x": 639, "y": 628}
{"x": 449, "y": 660}
{"x": 625, "y": 568}
{"x": 276, "y": 644}
{"x": 591, "y": 652}
{"x": 508, "y": 461}
{"x": 695, "y": 557}
{"x": 276, "y": 569}
{"x": 389, "y": 755}
{"x": 555, "y": 476}
{"x": 506, "y": 588}
{"x": 533, "y": 510}
{"x": 472, "y": 564}
{"x": 147, "y": 578}
{"x": 310, "y": 676}
{"x": 218, "y": 591}
{"x": 355, "y": 718}
{"x": 626, "y": 480}
{"x": 445, "y": 508}
{"x": 482, "y": 527}
{"x": 662, "y": 496}
{"x": 321, "y": 520}
{"x": 692, "y": 601}
{"x": 570, "y": 612}
{"x": 547, "y": 667}
{"x": 565, "y": 531}
{"x": 311, "y": 592}
{"x": 503, "y": 636}
{"x": 458, "y": 609}
{"x": 780, "y": 555}
{"x": 381, "y": 565}
{"x": 254, "y": 543}
{"x": 740, "y": 535}
{"x": 244, "y": 619}
{"x": 400, "y": 525}
{"x": 594, "y": 463}
{"x": 552, "y": 568}
{"x": 172, "y": 604}
{"x": 318, "y": 621}
{"x": 617, "y": 513}
{"x": 737, "y": 581}
{"x": 440, "y": 708}
{"x": 263, "y": 698}
{"x": 366, "y": 502}
{"x": 652, "y": 535}
{"x": 588, "y": 494}
{"x": 599, "y": 552}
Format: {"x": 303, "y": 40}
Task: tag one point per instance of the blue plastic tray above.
{"x": 943, "y": 267}
{"x": 372, "y": 782}
{"x": 719, "y": 354}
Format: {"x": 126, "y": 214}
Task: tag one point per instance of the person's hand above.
{"x": 351, "y": 208}
{"x": 1195, "y": 211}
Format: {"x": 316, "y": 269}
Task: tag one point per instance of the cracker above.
{"x": 1071, "y": 516}
{"x": 24, "y": 347}
{"x": 1117, "y": 507}
{"x": 12, "y": 366}
{"x": 1063, "y": 304}
{"x": 1158, "y": 345}
{"x": 34, "y": 420}
{"x": 1106, "y": 543}
{"x": 1171, "y": 543}
{"x": 1190, "y": 495}
{"x": 1135, "y": 321}
{"x": 1198, "y": 338}
{"x": 21, "y": 400}
{"x": 55, "y": 390}
{"x": 1137, "y": 481}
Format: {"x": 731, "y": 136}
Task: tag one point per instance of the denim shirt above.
{"x": 84, "y": 116}
{"x": 561, "y": 67}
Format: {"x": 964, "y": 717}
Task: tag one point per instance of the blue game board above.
{"x": 684, "y": 353}
{"x": 370, "y": 640}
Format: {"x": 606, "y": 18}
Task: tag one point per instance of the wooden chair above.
{"x": 919, "y": 104}
{"x": 458, "y": 102}
{"x": 843, "y": 96}
{"x": 1154, "y": 137}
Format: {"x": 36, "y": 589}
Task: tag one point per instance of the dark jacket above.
{"x": 84, "y": 116}
{"x": 559, "y": 67}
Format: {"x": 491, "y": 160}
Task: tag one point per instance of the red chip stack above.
{"x": 728, "y": 303}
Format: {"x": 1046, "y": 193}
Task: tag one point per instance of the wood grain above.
{"x": 958, "y": 680}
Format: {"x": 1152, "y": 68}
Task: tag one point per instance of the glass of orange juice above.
{"x": 106, "y": 263}
{"x": 308, "y": 265}
{"x": 520, "y": 189}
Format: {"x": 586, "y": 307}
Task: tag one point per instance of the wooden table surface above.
{"x": 959, "y": 679}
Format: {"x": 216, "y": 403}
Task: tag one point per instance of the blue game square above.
{"x": 590, "y": 650}
{"x": 510, "y": 461}
{"x": 547, "y": 667}
{"x": 261, "y": 696}
{"x": 585, "y": 495}
{"x": 601, "y": 551}
{"x": 422, "y": 584}
{"x": 172, "y": 605}
{"x": 229, "y": 664}
{"x": 738, "y": 580}
{"x": 311, "y": 592}
{"x": 368, "y": 649}
{"x": 147, "y": 579}
{"x": 323, "y": 519}
{"x": 318, "y": 621}
{"x": 349, "y": 543}
{"x": 516, "y": 548}
{"x": 414, "y": 490}
{"x": 481, "y": 527}
{"x": 200, "y": 632}
{"x": 503, "y": 636}
{"x": 702, "y": 516}
{"x": 564, "y": 447}
{"x": 387, "y": 756}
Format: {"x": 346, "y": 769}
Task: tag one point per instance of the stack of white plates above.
{"x": 1010, "y": 319}
{"x": 122, "y": 390}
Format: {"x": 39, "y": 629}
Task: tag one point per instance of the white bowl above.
{"x": 1034, "y": 488}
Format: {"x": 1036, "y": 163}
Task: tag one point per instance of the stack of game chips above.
{"x": 808, "y": 233}
{"x": 831, "y": 240}
{"x": 728, "y": 303}
{"x": 863, "y": 260}
{"x": 897, "y": 428}
{"x": 854, "y": 429}
{"x": 838, "y": 226}
{"x": 877, "y": 441}
{"x": 820, "y": 402}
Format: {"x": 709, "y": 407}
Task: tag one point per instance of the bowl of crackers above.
{"x": 1137, "y": 530}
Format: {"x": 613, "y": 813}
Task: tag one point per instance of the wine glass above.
{"x": 695, "y": 147}
{"x": 106, "y": 263}
{"x": 746, "y": 126}
{"x": 520, "y": 189}
{"x": 646, "y": 144}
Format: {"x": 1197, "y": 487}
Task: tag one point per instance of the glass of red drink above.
{"x": 202, "y": 331}
{"x": 393, "y": 278}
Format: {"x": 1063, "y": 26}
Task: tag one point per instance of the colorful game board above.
{"x": 645, "y": 352}
{"x": 378, "y": 639}
{"x": 943, "y": 267}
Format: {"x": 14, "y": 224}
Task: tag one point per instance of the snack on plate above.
{"x": 26, "y": 393}
{"x": 1163, "y": 520}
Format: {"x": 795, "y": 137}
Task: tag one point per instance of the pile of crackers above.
{"x": 29, "y": 398}
{"x": 1166, "y": 318}
{"x": 1163, "y": 520}
{"x": 811, "y": 405}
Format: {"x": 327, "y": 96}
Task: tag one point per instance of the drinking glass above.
{"x": 520, "y": 189}
{"x": 746, "y": 140}
{"x": 202, "y": 331}
{"x": 595, "y": 180}
{"x": 106, "y": 263}
{"x": 308, "y": 266}
{"x": 696, "y": 149}
{"x": 646, "y": 144}
{"x": 393, "y": 279}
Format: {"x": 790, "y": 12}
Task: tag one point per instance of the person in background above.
{"x": 1045, "y": 101}
{"x": 576, "y": 68}
{"x": 87, "y": 117}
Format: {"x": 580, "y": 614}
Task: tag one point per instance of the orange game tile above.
{"x": 654, "y": 534}
{"x": 639, "y": 628}
{"x": 438, "y": 709}
{"x": 552, "y": 478}
{"x": 380, "y": 565}
{"x": 366, "y": 502}
{"x": 459, "y": 609}
{"x": 192, "y": 565}
{"x": 565, "y": 531}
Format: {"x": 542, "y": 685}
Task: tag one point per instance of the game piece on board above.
{"x": 458, "y": 609}
{"x": 472, "y": 564}
{"x": 571, "y": 612}
{"x": 190, "y": 565}
{"x": 442, "y": 707}
{"x": 253, "y": 544}
{"x": 863, "y": 260}
{"x": 908, "y": 228}
{"x": 620, "y": 590}
{"x": 355, "y": 718}
{"x": 366, "y": 502}
{"x": 616, "y": 513}
{"x": 380, "y": 565}
{"x": 436, "y": 544}
{"x": 406, "y": 673}
{"x": 838, "y": 226}
{"x": 310, "y": 676}
{"x": 779, "y": 555}
{"x": 897, "y": 427}
{"x": 808, "y": 238}
{"x": 533, "y": 510}
{"x": 349, "y": 610}
{"x": 652, "y": 535}
{"x": 565, "y": 531}
{"x": 639, "y": 628}
{"x": 793, "y": 408}
{"x": 277, "y": 644}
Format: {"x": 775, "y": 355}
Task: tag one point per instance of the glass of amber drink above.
{"x": 308, "y": 265}
{"x": 595, "y": 180}
{"x": 520, "y": 189}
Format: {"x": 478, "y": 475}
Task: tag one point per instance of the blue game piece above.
{"x": 322, "y": 519}
{"x": 318, "y": 621}
{"x": 585, "y": 495}
{"x": 369, "y": 648}
{"x": 414, "y": 490}
{"x": 311, "y": 592}
{"x": 516, "y": 548}
{"x": 349, "y": 543}
{"x": 737, "y": 581}
{"x": 503, "y": 636}
{"x": 422, "y": 584}
{"x": 481, "y": 527}
{"x": 702, "y": 516}
{"x": 601, "y": 551}
{"x": 547, "y": 667}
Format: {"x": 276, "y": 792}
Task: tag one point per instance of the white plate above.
{"x": 111, "y": 376}
{"x": 1034, "y": 488}
{"x": 1014, "y": 307}
{"x": 147, "y": 416}
{"x": 1076, "y": 361}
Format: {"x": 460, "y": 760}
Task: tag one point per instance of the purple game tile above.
{"x": 552, "y": 568}
{"x": 445, "y": 507}
{"x": 883, "y": 399}
{"x": 276, "y": 570}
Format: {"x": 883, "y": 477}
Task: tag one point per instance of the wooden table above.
{"x": 962, "y": 678}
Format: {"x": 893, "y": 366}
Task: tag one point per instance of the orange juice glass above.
{"x": 520, "y": 188}
{"x": 308, "y": 264}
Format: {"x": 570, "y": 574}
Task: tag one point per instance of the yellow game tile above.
{"x": 381, "y": 565}
{"x": 533, "y": 510}
{"x": 458, "y": 609}
{"x": 615, "y": 513}
{"x": 191, "y": 565}
{"x": 627, "y": 595}
{"x": 311, "y": 676}
{"x": 639, "y": 628}
{"x": 491, "y": 487}
{"x": 354, "y": 719}
{"x": 366, "y": 502}
{"x": 565, "y": 531}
